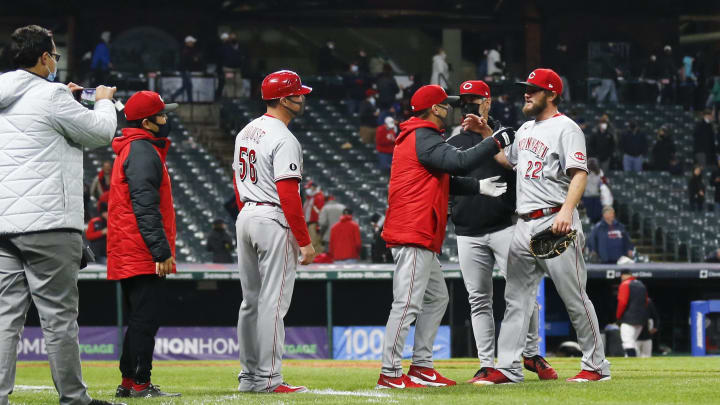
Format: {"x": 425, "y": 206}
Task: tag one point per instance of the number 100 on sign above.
{"x": 366, "y": 343}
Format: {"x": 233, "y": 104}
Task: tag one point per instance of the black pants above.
{"x": 144, "y": 297}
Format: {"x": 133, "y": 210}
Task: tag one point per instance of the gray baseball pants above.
{"x": 478, "y": 256}
{"x": 419, "y": 295}
{"x": 42, "y": 267}
{"x": 569, "y": 276}
{"x": 268, "y": 257}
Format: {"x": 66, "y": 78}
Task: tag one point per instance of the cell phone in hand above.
{"x": 86, "y": 97}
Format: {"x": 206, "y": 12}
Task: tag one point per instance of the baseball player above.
{"x": 271, "y": 229}
{"x": 484, "y": 240}
{"x": 420, "y": 184}
{"x": 551, "y": 170}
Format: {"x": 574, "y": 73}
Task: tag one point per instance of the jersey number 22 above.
{"x": 247, "y": 161}
{"x": 533, "y": 169}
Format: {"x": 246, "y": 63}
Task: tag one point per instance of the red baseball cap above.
{"x": 545, "y": 79}
{"x": 475, "y": 87}
{"x": 144, "y": 104}
{"x": 429, "y": 95}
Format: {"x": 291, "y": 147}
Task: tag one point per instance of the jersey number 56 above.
{"x": 246, "y": 160}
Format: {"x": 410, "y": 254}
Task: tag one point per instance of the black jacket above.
{"x": 662, "y": 153}
{"x": 634, "y": 143}
{"x": 475, "y": 215}
{"x": 704, "y": 138}
{"x": 695, "y": 185}
{"x": 652, "y": 314}
{"x": 636, "y": 309}
{"x": 601, "y": 145}
{"x": 221, "y": 245}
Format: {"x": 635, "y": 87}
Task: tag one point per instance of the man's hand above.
{"x": 307, "y": 254}
{"x": 473, "y": 123}
{"x": 104, "y": 92}
{"x": 162, "y": 269}
{"x": 630, "y": 254}
{"x": 653, "y": 331}
{"x": 563, "y": 222}
{"x": 74, "y": 87}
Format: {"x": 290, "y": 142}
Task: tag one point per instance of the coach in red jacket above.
{"x": 420, "y": 184}
{"x": 141, "y": 234}
{"x": 345, "y": 241}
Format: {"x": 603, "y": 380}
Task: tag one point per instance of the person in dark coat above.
{"x": 601, "y": 143}
{"x": 662, "y": 151}
{"x": 631, "y": 311}
{"x": 609, "y": 239}
{"x": 704, "y": 140}
{"x": 634, "y": 147}
{"x": 191, "y": 60}
{"x": 650, "y": 330}
{"x": 387, "y": 88}
{"x": 696, "y": 190}
{"x": 219, "y": 243}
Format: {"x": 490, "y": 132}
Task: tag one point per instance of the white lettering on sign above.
{"x": 699, "y": 329}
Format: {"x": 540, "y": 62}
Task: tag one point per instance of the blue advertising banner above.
{"x": 179, "y": 343}
{"x": 365, "y": 343}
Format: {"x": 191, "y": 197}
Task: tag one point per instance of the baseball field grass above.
{"x": 659, "y": 380}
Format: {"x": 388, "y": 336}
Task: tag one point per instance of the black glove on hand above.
{"x": 504, "y": 137}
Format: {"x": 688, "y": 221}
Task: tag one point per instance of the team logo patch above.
{"x": 550, "y": 85}
{"x": 580, "y": 156}
{"x": 532, "y": 76}
{"x": 293, "y": 166}
{"x": 467, "y": 86}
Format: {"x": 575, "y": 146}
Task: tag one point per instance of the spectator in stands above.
{"x": 561, "y": 63}
{"x": 606, "y": 197}
{"x": 608, "y": 239}
{"x": 650, "y": 329}
{"x": 368, "y": 117}
{"x": 663, "y": 150}
{"x": 96, "y": 234}
{"x": 191, "y": 60}
{"x": 696, "y": 190}
{"x": 101, "y": 63}
{"x": 715, "y": 178}
{"x": 387, "y": 89}
{"x": 355, "y": 85}
{"x": 379, "y": 252}
{"x": 363, "y": 62}
{"x": 440, "y": 70}
{"x": 219, "y": 243}
{"x": 101, "y": 182}
{"x": 345, "y": 241}
{"x": 224, "y": 38}
{"x": 715, "y": 99}
{"x": 494, "y": 62}
{"x": 631, "y": 311}
{"x": 591, "y": 197}
{"x": 676, "y": 167}
{"x": 504, "y": 111}
{"x": 602, "y": 142}
{"x": 608, "y": 74}
{"x": 385, "y": 143}
{"x": 314, "y": 202}
{"x": 634, "y": 147}
{"x": 668, "y": 75}
{"x": 329, "y": 215}
{"x": 704, "y": 140}
{"x": 651, "y": 75}
{"x": 232, "y": 60}
{"x": 328, "y": 61}
{"x": 713, "y": 257}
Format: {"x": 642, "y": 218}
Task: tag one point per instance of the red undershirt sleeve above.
{"x": 238, "y": 201}
{"x": 623, "y": 296}
{"x": 292, "y": 208}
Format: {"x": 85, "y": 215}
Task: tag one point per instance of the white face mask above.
{"x": 354, "y": 68}
{"x": 308, "y": 192}
{"x": 603, "y": 126}
{"x": 372, "y": 100}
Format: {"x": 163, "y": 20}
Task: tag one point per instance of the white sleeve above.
{"x": 572, "y": 151}
{"x": 287, "y": 160}
{"x": 511, "y": 153}
{"x": 90, "y": 128}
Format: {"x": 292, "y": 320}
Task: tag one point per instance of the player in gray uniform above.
{"x": 271, "y": 231}
{"x": 484, "y": 240}
{"x": 551, "y": 169}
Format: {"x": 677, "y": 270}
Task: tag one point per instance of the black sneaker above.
{"x": 99, "y": 402}
{"x": 122, "y": 392}
{"x": 482, "y": 373}
{"x": 152, "y": 391}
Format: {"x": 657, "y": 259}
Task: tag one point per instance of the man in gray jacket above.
{"x": 329, "y": 215}
{"x": 42, "y": 133}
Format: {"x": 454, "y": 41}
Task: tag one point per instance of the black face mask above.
{"x": 163, "y": 129}
{"x": 448, "y": 119}
{"x": 298, "y": 113}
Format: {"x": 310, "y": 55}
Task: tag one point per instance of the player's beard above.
{"x": 534, "y": 109}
